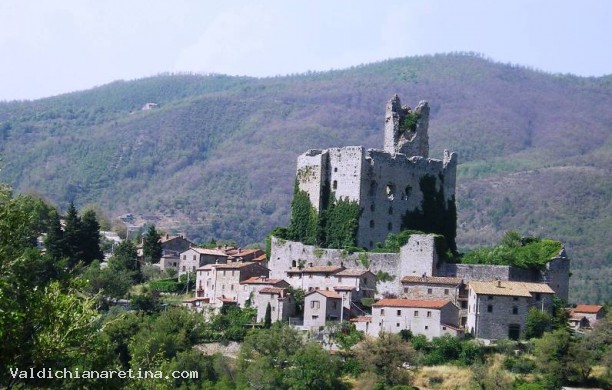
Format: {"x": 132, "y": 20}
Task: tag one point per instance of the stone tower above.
{"x": 389, "y": 185}
{"x": 406, "y": 129}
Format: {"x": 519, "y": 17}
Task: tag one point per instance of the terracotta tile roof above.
{"x": 591, "y": 309}
{"x": 326, "y": 293}
{"x": 361, "y": 319}
{"x": 273, "y": 290}
{"x": 241, "y": 252}
{"x": 352, "y": 272}
{"x": 424, "y": 304}
{"x": 206, "y": 251}
{"x": 432, "y": 280}
{"x": 322, "y": 269}
{"x": 344, "y": 288}
{"x": 506, "y": 288}
{"x": 234, "y": 265}
{"x": 262, "y": 280}
{"x": 261, "y": 258}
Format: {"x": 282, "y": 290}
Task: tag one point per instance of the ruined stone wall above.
{"x": 285, "y": 254}
{"x": 311, "y": 172}
{"x": 390, "y": 187}
{"x": 400, "y": 139}
{"x": 418, "y": 257}
{"x": 345, "y": 171}
{"x": 557, "y": 274}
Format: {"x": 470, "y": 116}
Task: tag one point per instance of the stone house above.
{"x": 321, "y": 306}
{"x": 195, "y": 257}
{"x": 220, "y": 283}
{"x": 282, "y": 304}
{"x": 432, "y": 318}
{"x": 498, "y": 309}
{"x": 313, "y": 277}
{"x": 592, "y": 314}
{"x": 437, "y": 287}
{"x": 250, "y": 287}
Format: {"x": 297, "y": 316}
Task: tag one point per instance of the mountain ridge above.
{"x": 216, "y": 158}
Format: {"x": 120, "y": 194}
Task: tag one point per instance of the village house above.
{"x": 172, "y": 246}
{"x": 437, "y": 287}
{"x": 321, "y": 306}
{"x": 314, "y": 278}
{"x": 431, "y": 318}
{"x": 220, "y": 283}
{"x": 498, "y": 309}
{"x": 585, "y": 316}
{"x": 195, "y": 257}
{"x": 282, "y": 304}
{"x": 250, "y": 287}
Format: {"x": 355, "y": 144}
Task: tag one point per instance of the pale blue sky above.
{"x": 53, "y": 47}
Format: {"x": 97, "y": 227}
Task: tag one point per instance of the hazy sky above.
{"x": 52, "y": 47}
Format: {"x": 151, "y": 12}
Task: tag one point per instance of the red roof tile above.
{"x": 591, "y": 309}
{"x": 273, "y": 290}
{"x": 352, "y": 272}
{"x": 425, "y": 304}
{"x": 262, "y": 280}
{"x": 326, "y": 293}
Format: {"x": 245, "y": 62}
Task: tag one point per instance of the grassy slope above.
{"x": 217, "y": 158}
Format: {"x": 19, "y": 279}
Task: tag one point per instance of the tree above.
{"x": 385, "y": 356}
{"x": 268, "y": 317}
{"x": 552, "y": 352}
{"x": 536, "y": 323}
{"x": 54, "y": 241}
{"x": 90, "y": 239}
{"x": 151, "y": 246}
{"x": 73, "y": 235}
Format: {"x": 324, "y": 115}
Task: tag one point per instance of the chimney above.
{"x": 167, "y": 236}
{"x": 310, "y": 264}
{"x": 239, "y": 250}
{"x": 498, "y": 283}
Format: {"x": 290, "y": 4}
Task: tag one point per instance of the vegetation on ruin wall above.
{"x": 516, "y": 251}
{"x": 436, "y": 215}
{"x": 335, "y": 227}
{"x": 409, "y": 122}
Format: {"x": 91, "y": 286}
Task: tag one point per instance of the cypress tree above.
{"x": 268, "y": 317}
{"x": 90, "y": 242}
{"x": 73, "y": 234}
{"x": 54, "y": 242}
{"x": 151, "y": 246}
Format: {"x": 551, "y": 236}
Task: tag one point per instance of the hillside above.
{"x": 216, "y": 158}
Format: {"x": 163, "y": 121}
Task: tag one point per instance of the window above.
{"x": 335, "y": 169}
{"x": 490, "y": 297}
{"x": 390, "y": 191}
{"x": 445, "y": 291}
{"x": 429, "y": 291}
{"x": 426, "y": 327}
{"x": 193, "y": 268}
{"x": 223, "y": 272}
{"x": 194, "y": 257}
{"x": 444, "y": 328}
{"x": 232, "y": 273}
{"x": 399, "y": 312}
{"x": 397, "y": 324}
{"x": 339, "y": 279}
{"x": 406, "y": 290}
{"x": 184, "y": 257}
{"x": 223, "y": 287}
{"x": 371, "y": 223}
{"x": 232, "y": 287}
{"x": 335, "y": 184}
{"x": 490, "y": 308}
{"x": 315, "y": 304}
{"x": 372, "y": 207}
{"x": 310, "y": 276}
{"x": 183, "y": 268}
{"x": 389, "y": 226}
{"x": 515, "y": 298}
{"x": 382, "y": 312}
{"x": 428, "y": 314}
{"x": 539, "y": 296}
{"x": 273, "y": 308}
{"x": 416, "y": 313}
{"x": 515, "y": 310}
{"x": 390, "y": 210}
{"x": 464, "y": 305}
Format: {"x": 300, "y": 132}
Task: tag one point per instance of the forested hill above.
{"x": 216, "y": 157}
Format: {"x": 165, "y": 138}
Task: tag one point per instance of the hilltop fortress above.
{"x": 397, "y": 188}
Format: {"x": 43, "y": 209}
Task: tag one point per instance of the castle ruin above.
{"x": 397, "y": 188}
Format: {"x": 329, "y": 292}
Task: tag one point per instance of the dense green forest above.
{"x": 216, "y": 158}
